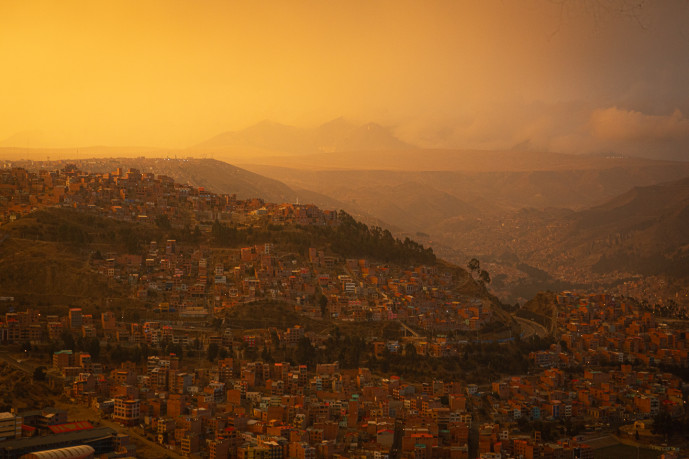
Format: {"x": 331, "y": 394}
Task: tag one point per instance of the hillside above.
{"x": 548, "y": 184}
{"x": 19, "y": 391}
{"x": 45, "y": 257}
{"x": 449, "y": 206}
{"x": 268, "y": 314}
{"x": 514, "y": 210}
{"x": 211, "y": 174}
{"x": 425, "y": 159}
{"x": 518, "y": 221}
{"x": 48, "y": 271}
{"x": 214, "y": 175}
{"x": 128, "y": 239}
{"x": 644, "y": 232}
{"x": 53, "y": 253}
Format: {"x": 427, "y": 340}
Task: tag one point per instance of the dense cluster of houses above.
{"x": 252, "y": 409}
{"x": 134, "y": 196}
{"x": 193, "y": 279}
{"x": 247, "y": 408}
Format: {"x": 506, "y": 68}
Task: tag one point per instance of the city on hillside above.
{"x": 261, "y": 331}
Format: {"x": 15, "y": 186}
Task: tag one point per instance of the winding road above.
{"x": 530, "y": 328}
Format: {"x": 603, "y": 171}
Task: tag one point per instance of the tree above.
{"x": 323, "y": 304}
{"x": 177, "y": 349}
{"x": 663, "y": 424}
{"x": 67, "y": 339}
{"x": 274, "y": 338}
{"x": 410, "y": 351}
{"x": 305, "y": 351}
{"x": 39, "y": 374}
{"x": 93, "y": 348}
{"x": 484, "y": 276}
{"x": 265, "y": 355}
{"x": 163, "y": 222}
{"x": 213, "y": 351}
{"x": 474, "y": 265}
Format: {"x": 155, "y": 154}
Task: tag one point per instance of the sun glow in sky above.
{"x": 569, "y": 76}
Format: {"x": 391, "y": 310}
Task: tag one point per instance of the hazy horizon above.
{"x": 571, "y": 77}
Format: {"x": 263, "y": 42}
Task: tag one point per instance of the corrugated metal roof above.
{"x": 47, "y": 440}
{"x": 70, "y": 427}
{"x": 72, "y": 452}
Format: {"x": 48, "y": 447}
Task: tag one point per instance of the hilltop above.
{"x": 213, "y": 175}
{"x": 217, "y": 176}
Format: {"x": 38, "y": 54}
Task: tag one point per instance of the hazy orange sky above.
{"x": 571, "y": 76}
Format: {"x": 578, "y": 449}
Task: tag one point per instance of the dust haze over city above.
{"x": 216, "y": 217}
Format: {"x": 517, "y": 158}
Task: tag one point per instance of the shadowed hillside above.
{"x": 642, "y": 232}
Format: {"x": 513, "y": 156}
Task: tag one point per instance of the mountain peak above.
{"x": 336, "y": 135}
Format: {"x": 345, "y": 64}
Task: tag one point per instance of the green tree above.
{"x": 274, "y": 338}
{"x": 305, "y": 352}
{"x": 39, "y": 374}
{"x": 410, "y": 351}
{"x": 323, "y": 304}
{"x": 484, "y": 276}
{"x": 67, "y": 339}
{"x": 163, "y": 222}
{"x": 266, "y": 355}
{"x": 93, "y": 348}
{"x": 663, "y": 424}
{"x": 474, "y": 265}
{"x": 213, "y": 350}
{"x": 177, "y": 349}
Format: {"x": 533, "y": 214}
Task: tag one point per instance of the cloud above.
{"x": 628, "y": 125}
{"x": 558, "y": 127}
{"x": 536, "y": 126}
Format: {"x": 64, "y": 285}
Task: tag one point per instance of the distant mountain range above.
{"x": 337, "y": 135}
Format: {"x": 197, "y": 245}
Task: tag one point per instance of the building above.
{"x": 10, "y": 426}
{"x": 73, "y": 452}
{"x": 63, "y": 358}
{"x": 101, "y": 439}
{"x": 75, "y": 318}
{"x": 127, "y": 411}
